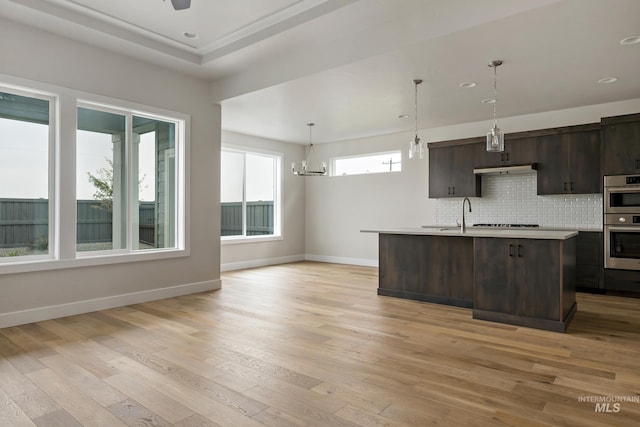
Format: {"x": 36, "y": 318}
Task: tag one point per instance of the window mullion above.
{"x": 244, "y": 194}
{"x": 64, "y": 194}
{"x": 131, "y": 158}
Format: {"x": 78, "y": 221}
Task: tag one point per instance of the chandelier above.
{"x": 305, "y": 165}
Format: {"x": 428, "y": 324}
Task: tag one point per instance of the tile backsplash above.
{"x": 509, "y": 199}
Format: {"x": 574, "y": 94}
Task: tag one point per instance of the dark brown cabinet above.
{"x": 589, "y": 260}
{"x": 621, "y": 148}
{"x": 525, "y": 282}
{"x": 517, "y": 151}
{"x": 427, "y": 268}
{"x": 622, "y": 280}
{"x": 451, "y": 171}
{"x": 569, "y": 162}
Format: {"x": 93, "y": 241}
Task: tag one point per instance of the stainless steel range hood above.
{"x": 503, "y": 170}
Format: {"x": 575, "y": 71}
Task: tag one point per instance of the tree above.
{"x": 103, "y": 182}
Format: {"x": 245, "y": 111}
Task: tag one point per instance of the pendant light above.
{"x": 416, "y": 147}
{"x": 304, "y": 169}
{"x": 495, "y": 137}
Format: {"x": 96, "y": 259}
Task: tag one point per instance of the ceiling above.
{"x": 349, "y": 65}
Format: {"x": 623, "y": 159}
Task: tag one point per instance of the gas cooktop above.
{"x": 507, "y": 225}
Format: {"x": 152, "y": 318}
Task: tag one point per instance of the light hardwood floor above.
{"x": 309, "y": 344}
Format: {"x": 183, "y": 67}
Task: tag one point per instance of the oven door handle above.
{"x": 616, "y": 228}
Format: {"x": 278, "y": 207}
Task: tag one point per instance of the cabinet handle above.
{"x": 510, "y": 250}
{"x": 571, "y": 185}
{"x": 507, "y": 157}
{"x": 502, "y": 157}
{"x": 453, "y": 190}
{"x": 565, "y": 186}
{"x": 520, "y": 251}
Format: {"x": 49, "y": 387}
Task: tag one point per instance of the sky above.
{"x": 257, "y": 187}
{"x": 24, "y": 161}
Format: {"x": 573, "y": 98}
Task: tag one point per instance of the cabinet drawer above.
{"x": 588, "y": 237}
{"x": 622, "y": 280}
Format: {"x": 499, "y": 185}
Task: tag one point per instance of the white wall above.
{"x": 291, "y": 246}
{"x": 31, "y": 54}
{"x": 339, "y": 207}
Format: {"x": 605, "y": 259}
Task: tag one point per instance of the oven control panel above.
{"x": 633, "y": 180}
{"x": 613, "y": 219}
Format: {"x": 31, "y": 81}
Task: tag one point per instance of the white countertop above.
{"x": 502, "y": 233}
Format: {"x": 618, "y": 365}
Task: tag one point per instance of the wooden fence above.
{"x": 259, "y": 218}
{"x": 24, "y": 222}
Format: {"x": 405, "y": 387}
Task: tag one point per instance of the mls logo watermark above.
{"x": 608, "y": 407}
{"x": 608, "y": 404}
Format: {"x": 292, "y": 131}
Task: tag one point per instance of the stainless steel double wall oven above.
{"x": 622, "y": 222}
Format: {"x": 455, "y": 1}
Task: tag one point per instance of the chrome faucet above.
{"x": 462, "y": 225}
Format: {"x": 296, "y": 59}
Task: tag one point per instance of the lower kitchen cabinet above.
{"x": 589, "y": 260}
{"x": 627, "y": 281}
{"x": 525, "y": 282}
{"x": 427, "y": 268}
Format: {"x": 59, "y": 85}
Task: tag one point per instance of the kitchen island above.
{"x": 514, "y": 276}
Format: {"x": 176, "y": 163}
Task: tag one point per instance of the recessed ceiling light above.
{"x": 488, "y": 101}
{"x": 403, "y": 116}
{"x": 630, "y": 40}
{"x": 466, "y": 85}
{"x": 190, "y": 35}
{"x": 607, "y": 80}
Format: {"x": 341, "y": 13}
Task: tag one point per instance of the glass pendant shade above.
{"x": 495, "y": 140}
{"x": 416, "y": 148}
{"x": 495, "y": 137}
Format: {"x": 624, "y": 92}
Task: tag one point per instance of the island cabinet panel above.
{"x": 451, "y": 171}
{"x": 525, "y": 282}
{"x": 569, "y": 161}
{"x": 621, "y": 146}
{"x": 427, "y": 268}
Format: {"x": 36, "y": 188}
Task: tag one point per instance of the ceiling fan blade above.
{"x": 181, "y": 4}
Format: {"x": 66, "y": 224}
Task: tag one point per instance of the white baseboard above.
{"x": 79, "y": 307}
{"x": 260, "y": 262}
{"x": 364, "y": 262}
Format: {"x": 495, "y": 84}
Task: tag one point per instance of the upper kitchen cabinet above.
{"x": 621, "y": 144}
{"x": 451, "y": 169}
{"x": 569, "y": 161}
{"x": 518, "y": 150}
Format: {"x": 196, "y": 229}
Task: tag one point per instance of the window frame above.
{"x": 131, "y": 180}
{"x": 277, "y": 203}
{"x": 364, "y": 155}
{"x": 62, "y": 181}
{"x": 52, "y": 235}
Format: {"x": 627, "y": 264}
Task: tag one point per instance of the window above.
{"x": 369, "y": 163}
{"x": 110, "y": 195}
{"x": 249, "y": 194}
{"x": 25, "y": 143}
{"x": 126, "y": 189}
